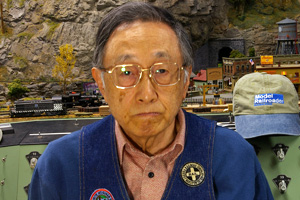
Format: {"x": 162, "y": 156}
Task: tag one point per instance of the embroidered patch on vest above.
{"x": 101, "y": 194}
{"x": 192, "y": 174}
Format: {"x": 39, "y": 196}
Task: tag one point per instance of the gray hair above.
{"x": 131, "y": 12}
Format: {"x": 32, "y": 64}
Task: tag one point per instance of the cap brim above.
{"x": 250, "y": 126}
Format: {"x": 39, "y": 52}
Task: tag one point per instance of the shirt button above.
{"x": 150, "y": 174}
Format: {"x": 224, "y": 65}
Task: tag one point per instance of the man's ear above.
{"x": 187, "y": 81}
{"x": 96, "y": 73}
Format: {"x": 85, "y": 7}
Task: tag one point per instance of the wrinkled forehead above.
{"x": 153, "y": 38}
{"x": 131, "y": 27}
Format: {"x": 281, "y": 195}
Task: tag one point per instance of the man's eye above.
{"x": 127, "y": 72}
{"x": 160, "y": 71}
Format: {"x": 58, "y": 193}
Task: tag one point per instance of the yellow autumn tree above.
{"x": 63, "y": 71}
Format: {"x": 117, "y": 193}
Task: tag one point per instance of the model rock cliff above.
{"x": 35, "y": 29}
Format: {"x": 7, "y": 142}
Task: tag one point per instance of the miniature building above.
{"x": 200, "y": 79}
{"x": 235, "y": 68}
{"x": 210, "y": 76}
{"x": 287, "y": 65}
{"x": 215, "y": 76}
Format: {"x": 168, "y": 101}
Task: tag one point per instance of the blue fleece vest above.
{"x": 101, "y": 174}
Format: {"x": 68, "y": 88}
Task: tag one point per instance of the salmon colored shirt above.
{"x": 147, "y": 176}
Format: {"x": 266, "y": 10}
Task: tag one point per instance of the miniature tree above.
{"x": 239, "y": 5}
{"x": 16, "y": 90}
{"x": 63, "y": 71}
{"x": 236, "y": 54}
{"x": 251, "y": 52}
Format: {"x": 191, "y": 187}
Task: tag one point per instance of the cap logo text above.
{"x": 268, "y": 99}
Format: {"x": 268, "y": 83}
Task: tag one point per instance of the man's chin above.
{"x": 146, "y": 129}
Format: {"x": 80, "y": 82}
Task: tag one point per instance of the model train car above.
{"x": 77, "y": 99}
{"x": 58, "y": 105}
{"x": 37, "y": 108}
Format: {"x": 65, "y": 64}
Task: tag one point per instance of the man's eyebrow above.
{"x": 161, "y": 54}
{"x": 123, "y": 58}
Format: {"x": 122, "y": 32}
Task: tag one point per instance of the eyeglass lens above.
{"x": 162, "y": 73}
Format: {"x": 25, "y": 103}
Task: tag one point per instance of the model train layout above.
{"x": 57, "y": 105}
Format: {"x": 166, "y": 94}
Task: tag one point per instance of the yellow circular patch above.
{"x": 192, "y": 174}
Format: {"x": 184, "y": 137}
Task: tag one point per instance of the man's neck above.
{"x": 155, "y": 144}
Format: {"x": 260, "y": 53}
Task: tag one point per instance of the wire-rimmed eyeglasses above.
{"x": 129, "y": 75}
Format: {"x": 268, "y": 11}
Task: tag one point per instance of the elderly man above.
{"x": 148, "y": 148}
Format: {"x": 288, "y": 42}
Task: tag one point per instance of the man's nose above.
{"x": 146, "y": 92}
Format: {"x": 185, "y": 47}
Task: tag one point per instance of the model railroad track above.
{"x": 4, "y": 113}
{"x": 209, "y": 100}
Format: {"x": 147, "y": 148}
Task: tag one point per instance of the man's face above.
{"x": 147, "y": 109}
